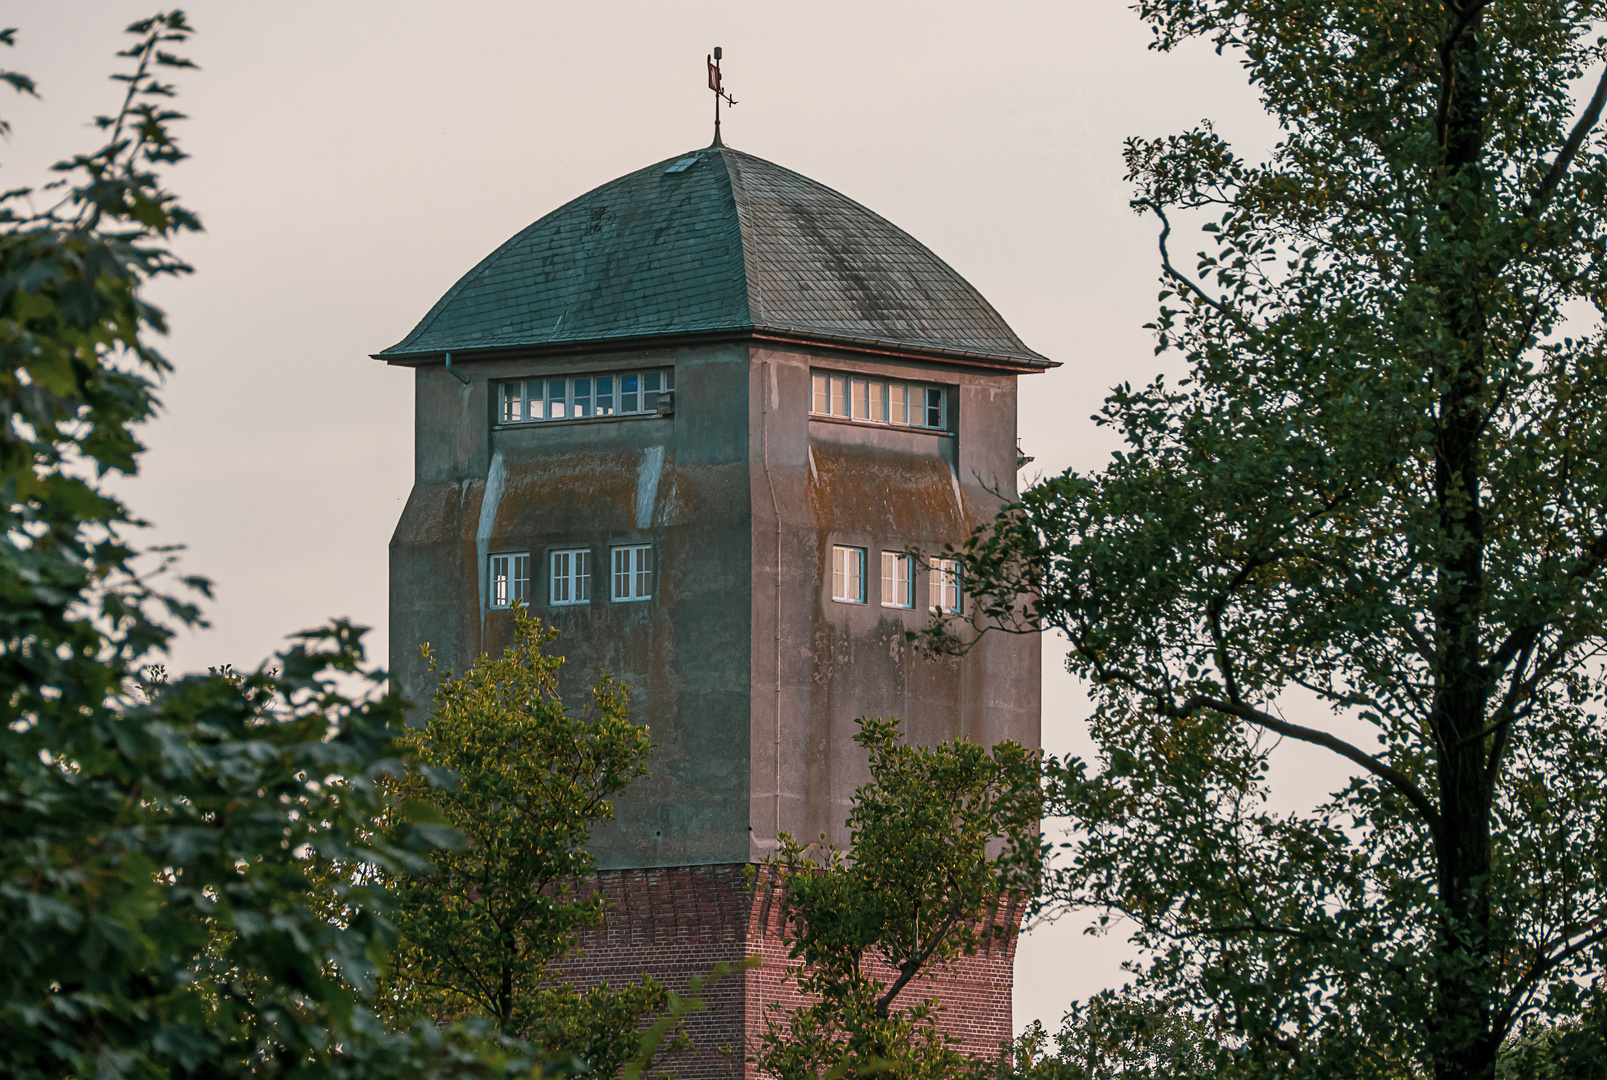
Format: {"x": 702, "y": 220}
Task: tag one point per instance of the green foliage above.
{"x": 945, "y": 847}
{"x": 1116, "y": 1036}
{"x": 522, "y": 780}
{"x": 1372, "y": 518}
{"x": 165, "y": 909}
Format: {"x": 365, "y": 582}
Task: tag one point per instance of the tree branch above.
{"x": 1171, "y": 271}
{"x": 1388, "y": 773}
{"x": 1570, "y": 150}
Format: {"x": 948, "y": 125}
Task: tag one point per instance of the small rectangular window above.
{"x": 934, "y": 407}
{"x": 630, "y": 396}
{"x": 898, "y": 580}
{"x": 848, "y": 575}
{"x": 633, "y": 572}
{"x": 878, "y": 401}
{"x": 571, "y": 577}
{"x": 582, "y": 398}
{"x": 821, "y": 402}
{"x": 557, "y": 399}
{"x": 899, "y": 398}
{"x": 945, "y": 586}
{"x": 510, "y": 579}
{"x": 605, "y": 395}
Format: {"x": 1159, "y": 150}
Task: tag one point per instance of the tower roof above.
{"x": 716, "y": 241}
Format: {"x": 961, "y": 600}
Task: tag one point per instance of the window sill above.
{"x": 520, "y": 425}
{"x": 873, "y": 425}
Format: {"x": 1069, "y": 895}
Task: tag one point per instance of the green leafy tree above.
{"x": 1116, "y": 1036}
{"x": 523, "y": 779}
{"x": 161, "y": 842}
{"x": 1372, "y": 519}
{"x": 945, "y": 847}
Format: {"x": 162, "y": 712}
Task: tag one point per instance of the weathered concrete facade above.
{"x": 745, "y": 282}
{"x": 747, "y": 671}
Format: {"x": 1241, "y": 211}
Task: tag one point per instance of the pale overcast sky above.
{"x": 352, "y": 159}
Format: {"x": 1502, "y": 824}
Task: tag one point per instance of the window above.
{"x": 848, "y": 574}
{"x": 878, "y": 401}
{"x": 633, "y": 572}
{"x": 510, "y": 579}
{"x": 898, "y": 580}
{"x": 582, "y": 397}
{"x": 571, "y": 577}
{"x": 945, "y": 586}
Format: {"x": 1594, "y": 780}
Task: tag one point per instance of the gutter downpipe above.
{"x": 462, "y": 378}
{"x": 775, "y": 506}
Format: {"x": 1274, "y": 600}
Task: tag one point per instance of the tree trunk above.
{"x": 1466, "y": 1046}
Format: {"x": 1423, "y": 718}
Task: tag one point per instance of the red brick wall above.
{"x": 678, "y": 922}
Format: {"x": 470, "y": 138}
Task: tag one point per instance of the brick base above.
{"x": 677, "y": 922}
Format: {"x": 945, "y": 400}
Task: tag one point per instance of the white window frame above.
{"x": 569, "y": 576}
{"x": 630, "y": 580}
{"x": 944, "y": 593}
{"x": 509, "y": 579}
{"x": 847, "y": 574}
{"x": 864, "y": 399}
{"x": 898, "y": 580}
{"x": 554, "y": 398}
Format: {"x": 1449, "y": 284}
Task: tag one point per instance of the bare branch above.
{"x": 1388, "y": 773}
{"x": 1570, "y": 150}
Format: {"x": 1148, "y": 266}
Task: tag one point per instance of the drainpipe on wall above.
{"x": 462, "y": 378}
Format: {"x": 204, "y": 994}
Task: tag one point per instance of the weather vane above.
{"x": 719, "y": 92}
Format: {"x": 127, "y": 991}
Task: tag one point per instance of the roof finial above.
{"x": 719, "y": 92}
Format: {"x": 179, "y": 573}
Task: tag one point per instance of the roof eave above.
{"x": 1016, "y": 364}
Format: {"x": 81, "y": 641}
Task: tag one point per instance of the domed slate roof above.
{"x": 716, "y": 240}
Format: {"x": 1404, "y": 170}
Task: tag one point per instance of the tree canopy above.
{"x": 944, "y": 852}
{"x": 1372, "y": 518}
{"x": 522, "y": 778}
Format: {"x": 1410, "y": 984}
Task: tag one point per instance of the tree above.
{"x": 160, "y": 841}
{"x": 945, "y": 848}
{"x": 1116, "y": 1036}
{"x": 503, "y": 761}
{"x": 1372, "y": 518}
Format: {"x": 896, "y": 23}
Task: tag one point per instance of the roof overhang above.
{"x": 1016, "y": 365}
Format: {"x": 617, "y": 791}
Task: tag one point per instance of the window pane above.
{"x": 512, "y": 402}
{"x": 859, "y": 391}
{"x": 582, "y": 576}
{"x": 839, "y": 395}
{"x": 644, "y": 572}
{"x": 605, "y": 395}
{"x": 669, "y": 379}
{"x": 650, "y": 382}
{"x": 934, "y": 407}
{"x": 901, "y": 403}
{"x": 535, "y": 408}
{"x": 848, "y": 574}
{"x": 622, "y": 573}
{"x": 820, "y": 402}
{"x": 560, "y": 577}
{"x": 582, "y": 398}
{"x": 945, "y": 586}
{"x": 878, "y": 401}
{"x": 499, "y": 581}
{"x": 629, "y": 394}
{"x": 889, "y": 578}
{"x": 557, "y": 399}
{"x": 521, "y": 579}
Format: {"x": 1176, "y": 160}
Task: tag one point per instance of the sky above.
{"x": 352, "y": 158}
